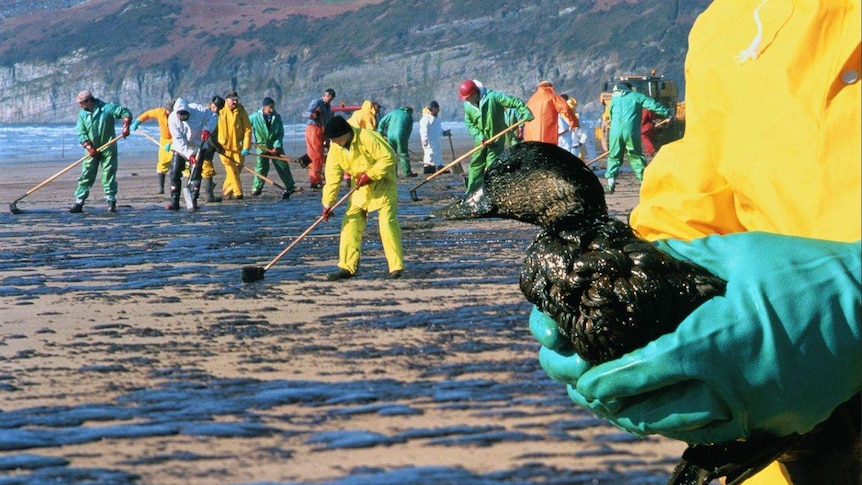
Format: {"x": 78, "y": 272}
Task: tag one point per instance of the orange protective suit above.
{"x": 546, "y": 105}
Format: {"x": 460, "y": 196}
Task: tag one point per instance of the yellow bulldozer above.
{"x": 657, "y": 87}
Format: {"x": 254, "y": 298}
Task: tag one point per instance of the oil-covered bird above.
{"x": 611, "y": 292}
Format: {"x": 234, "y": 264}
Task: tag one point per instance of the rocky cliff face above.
{"x": 509, "y": 50}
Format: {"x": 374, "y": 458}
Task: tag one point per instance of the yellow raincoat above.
{"x": 773, "y": 140}
{"x": 364, "y": 117}
{"x": 160, "y": 114}
{"x": 234, "y": 134}
{"x": 369, "y": 153}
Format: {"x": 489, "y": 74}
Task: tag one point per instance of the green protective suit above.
{"x": 483, "y": 122}
{"x": 270, "y": 134}
{"x": 625, "y": 132}
{"x": 397, "y": 126}
{"x": 98, "y": 127}
{"x": 367, "y": 153}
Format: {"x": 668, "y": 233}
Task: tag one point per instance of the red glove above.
{"x": 127, "y": 122}
{"x": 327, "y": 213}
{"x": 193, "y": 161}
{"x": 90, "y": 149}
{"x": 362, "y": 179}
{"x": 205, "y": 135}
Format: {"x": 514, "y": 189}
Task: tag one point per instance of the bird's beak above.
{"x": 474, "y": 206}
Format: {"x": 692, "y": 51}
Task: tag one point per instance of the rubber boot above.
{"x": 175, "y": 202}
{"x": 210, "y": 187}
{"x": 162, "y": 182}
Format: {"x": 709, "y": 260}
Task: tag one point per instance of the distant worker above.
{"x": 234, "y": 136}
{"x": 579, "y": 135}
{"x": 431, "y": 136}
{"x": 545, "y": 104}
{"x": 191, "y": 126}
{"x": 95, "y": 128}
{"x": 160, "y": 114}
{"x": 648, "y": 123}
{"x": 397, "y": 126}
{"x": 485, "y": 117}
{"x": 366, "y": 116}
{"x": 316, "y": 115}
{"x": 371, "y": 161}
{"x": 565, "y": 138}
{"x": 208, "y": 152}
{"x": 268, "y": 130}
{"x": 624, "y": 136}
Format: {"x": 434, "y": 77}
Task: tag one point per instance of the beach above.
{"x": 132, "y": 353}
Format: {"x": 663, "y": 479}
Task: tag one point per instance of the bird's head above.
{"x": 536, "y": 183}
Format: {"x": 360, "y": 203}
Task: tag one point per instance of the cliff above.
{"x": 143, "y": 52}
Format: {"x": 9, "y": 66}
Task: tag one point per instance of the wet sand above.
{"x": 132, "y": 353}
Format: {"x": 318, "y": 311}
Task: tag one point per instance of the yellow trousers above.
{"x": 232, "y": 185}
{"x": 352, "y": 227}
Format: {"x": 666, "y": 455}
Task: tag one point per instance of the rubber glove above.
{"x": 775, "y": 355}
{"x": 327, "y": 213}
{"x": 126, "y": 127}
{"x": 91, "y": 150}
{"x": 167, "y": 147}
{"x": 244, "y": 152}
{"x": 362, "y": 179}
{"x": 205, "y": 135}
{"x": 135, "y": 125}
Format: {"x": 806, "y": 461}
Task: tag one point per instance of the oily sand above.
{"x": 132, "y": 353}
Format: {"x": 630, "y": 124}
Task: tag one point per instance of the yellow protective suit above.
{"x": 368, "y": 153}
{"x": 546, "y": 105}
{"x": 160, "y": 114}
{"x": 773, "y": 142}
{"x": 234, "y": 134}
{"x": 364, "y": 117}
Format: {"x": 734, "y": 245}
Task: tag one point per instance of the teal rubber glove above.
{"x": 244, "y": 152}
{"x": 775, "y": 355}
{"x": 167, "y": 147}
{"x": 135, "y": 125}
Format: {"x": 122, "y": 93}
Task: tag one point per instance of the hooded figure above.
{"x": 190, "y": 125}
{"x": 365, "y": 117}
{"x": 431, "y": 135}
{"x": 546, "y": 105}
{"x": 624, "y": 136}
{"x": 397, "y": 126}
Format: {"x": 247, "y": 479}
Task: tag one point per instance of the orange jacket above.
{"x": 161, "y": 115}
{"x": 546, "y": 105}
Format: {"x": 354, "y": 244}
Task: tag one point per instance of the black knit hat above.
{"x": 336, "y": 127}
{"x": 218, "y": 101}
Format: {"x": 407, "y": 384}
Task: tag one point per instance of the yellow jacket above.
{"x": 234, "y": 131}
{"x": 364, "y": 117}
{"x": 370, "y": 153}
{"x": 161, "y": 116}
{"x": 773, "y": 143}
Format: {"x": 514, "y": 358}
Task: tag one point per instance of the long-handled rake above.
{"x": 255, "y": 273}
{"x": 458, "y": 160}
{"x": 13, "y": 207}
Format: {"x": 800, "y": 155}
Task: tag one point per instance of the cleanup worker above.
{"x": 485, "y": 116}
{"x": 781, "y": 350}
{"x": 625, "y": 130}
{"x": 366, "y": 156}
{"x": 318, "y": 112}
{"x": 546, "y": 105}
{"x": 191, "y": 126}
{"x": 268, "y": 131}
{"x": 208, "y": 152}
{"x": 431, "y": 136}
{"x": 397, "y": 126}
{"x": 94, "y": 128}
{"x": 159, "y": 114}
{"x": 234, "y": 136}
{"x": 366, "y": 116}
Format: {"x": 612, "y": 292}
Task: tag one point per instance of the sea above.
{"x": 34, "y": 143}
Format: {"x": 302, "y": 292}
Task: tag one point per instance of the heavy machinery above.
{"x": 657, "y": 87}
